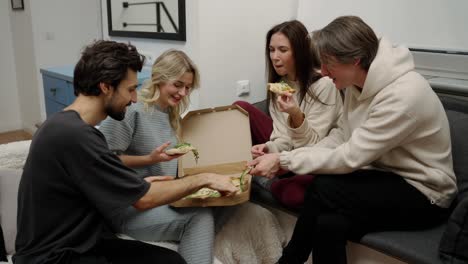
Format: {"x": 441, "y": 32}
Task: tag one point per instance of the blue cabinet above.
{"x": 58, "y": 86}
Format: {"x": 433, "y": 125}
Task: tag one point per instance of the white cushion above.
{"x": 9, "y": 182}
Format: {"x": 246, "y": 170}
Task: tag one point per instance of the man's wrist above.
{"x": 149, "y": 160}
{"x": 201, "y": 180}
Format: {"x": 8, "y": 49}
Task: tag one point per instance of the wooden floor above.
{"x": 12, "y": 136}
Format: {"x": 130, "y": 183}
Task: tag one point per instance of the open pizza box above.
{"x": 222, "y": 138}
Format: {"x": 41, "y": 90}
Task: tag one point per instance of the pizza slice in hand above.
{"x": 280, "y": 88}
{"x": 183, "y": 148}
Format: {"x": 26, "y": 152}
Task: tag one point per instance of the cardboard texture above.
{"x": 222, "y": 137}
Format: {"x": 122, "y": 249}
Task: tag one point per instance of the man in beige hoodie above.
{"x": 388, "y": 166}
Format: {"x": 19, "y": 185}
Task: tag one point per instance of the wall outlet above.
{"x": 149, "y": 57}
{"x": 243, "y": 87}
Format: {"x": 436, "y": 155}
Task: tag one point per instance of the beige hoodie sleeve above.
{"x": 320, "y": 118}
{"x": 335, "y": 138}
{"x": 279, "y": 139}
{"x": 385, "y": 128}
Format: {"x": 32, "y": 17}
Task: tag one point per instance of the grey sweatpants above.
{"x": 193, "y": 228}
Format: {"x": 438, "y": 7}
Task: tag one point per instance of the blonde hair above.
{"x": 169, "y": 66}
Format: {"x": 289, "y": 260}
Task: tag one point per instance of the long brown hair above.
{"x": 306, "y": 61}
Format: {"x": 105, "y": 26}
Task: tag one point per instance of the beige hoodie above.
{"x": 319, "y": 118}
{"x": 397, "y": 123}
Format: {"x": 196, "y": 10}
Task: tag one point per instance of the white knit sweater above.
{"x": 320, "y": 118}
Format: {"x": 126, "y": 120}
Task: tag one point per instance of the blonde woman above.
{"x": 150, "y": 126}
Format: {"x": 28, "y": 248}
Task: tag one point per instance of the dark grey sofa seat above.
{"x": 421, "y": 246}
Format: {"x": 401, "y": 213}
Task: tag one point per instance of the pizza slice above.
{"x": 183, "y": 148}
{"x": 203, "y": 193}
{"x": 280, "y": 88}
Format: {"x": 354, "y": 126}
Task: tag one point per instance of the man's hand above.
{"x": 259, "y": 150}
{"x": 158, "y": 154}
{"x": 221, "y": 183}
{"x": 266, "y": 165}
{"x": 151, "y": 179}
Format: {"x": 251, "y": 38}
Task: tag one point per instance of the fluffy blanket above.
{"x": 13, "y": 155}
{"x": 251, "y": 235}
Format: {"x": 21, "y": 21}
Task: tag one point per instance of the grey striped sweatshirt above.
{"x": 140, "y": 133}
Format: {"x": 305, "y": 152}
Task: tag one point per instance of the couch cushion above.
{"x": 458, "y": 132}
{"x": 262, "y": 106}
{"x": 9, "y": 182}
{"x": 419, "y": 247}
{"x": 457, "y": 113}
{"x": 454, "y": 243}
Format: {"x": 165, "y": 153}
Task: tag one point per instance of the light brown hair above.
{"x": 347, "y": 38}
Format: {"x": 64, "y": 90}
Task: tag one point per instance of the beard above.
{"x": 117, "y": 114}
{"x": 114, "y": 114}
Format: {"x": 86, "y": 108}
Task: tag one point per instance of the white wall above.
{"x": 232, "y": 46}
{"x": 432, "y": 24}
{"x": 226, "y": 41}
{"x": 9, "y": 104}
{"x": 46, "y": 33}
{"x": 224, "y": 38}
{"x": 25, "y": 67}
{"x": 61, "y": 28}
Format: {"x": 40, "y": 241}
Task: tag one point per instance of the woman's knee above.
{"x": 201, "y": 216}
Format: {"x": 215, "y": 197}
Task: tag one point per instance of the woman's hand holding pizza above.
{"x": 287, "y": 103}
{"x": 159, "y": 154}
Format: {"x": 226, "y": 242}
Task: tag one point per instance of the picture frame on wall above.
{"x": 163, "y": 19}
{"x": 17, "y": 4}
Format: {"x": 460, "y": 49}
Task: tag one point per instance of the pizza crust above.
{"x": 280, "y": 88}
{"x": 176, "y": 151}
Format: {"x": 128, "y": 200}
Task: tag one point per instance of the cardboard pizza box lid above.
{"x": 222, "y": 138}
{"x": 221, "y": 135}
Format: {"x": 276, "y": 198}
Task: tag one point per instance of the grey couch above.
{"x": 447, "y": 243}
